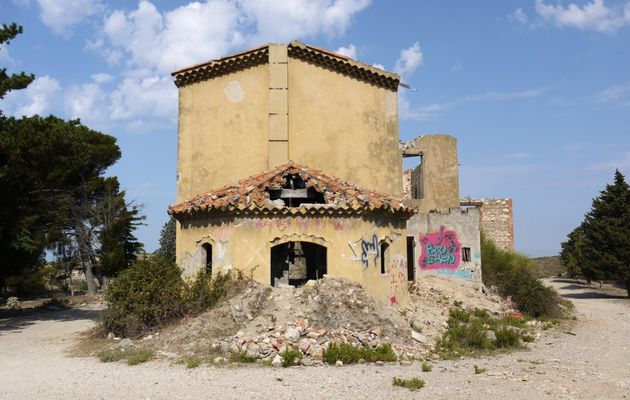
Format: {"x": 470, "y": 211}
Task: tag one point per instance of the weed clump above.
{"x": 349, "y": 354}
{"x": 242, "y": 357}
{"x": 479, "y": 370}
{"x": 290, "y": 357}
{"x": 412, "y": 384}
{"x": 426, "y": 367}
{"x": 473, "y": 332}
{"x": 134, "y": 355}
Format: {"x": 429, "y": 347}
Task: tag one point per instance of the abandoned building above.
{"x": 290, "y": 166}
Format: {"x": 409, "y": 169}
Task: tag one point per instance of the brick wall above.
{"x": 497, "y": 220}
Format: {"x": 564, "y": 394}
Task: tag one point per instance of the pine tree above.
{"x": 606, "y": 229}
{"x": 571, "y": 254}
{"x": 167, "y": 240}
{"x": 13, "y": 81}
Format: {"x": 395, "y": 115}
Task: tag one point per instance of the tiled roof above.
{"x": 260, "y": 55}
{"x": 252, "y": 195}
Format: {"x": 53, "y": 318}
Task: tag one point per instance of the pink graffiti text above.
{"x": 440, "y": 250}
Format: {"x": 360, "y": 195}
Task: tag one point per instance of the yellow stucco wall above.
{"x": 245, "y": 243}
{"x": 440, "y": 171}
{"x": 345, "y": 127}
{"x": 223, "y": 125}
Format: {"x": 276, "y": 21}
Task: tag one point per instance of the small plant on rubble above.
{"x": 426, "y": 367}
{"x": 290, "y": 357}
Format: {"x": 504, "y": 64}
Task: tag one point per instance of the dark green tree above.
{"x": 167, "y": 240}
{"x": 117, "y": 220}
{"x": 53, "y": 193}
{"x": 606, "y": 228}
{"x": 13, "y": 81}
{"x": 571, "y": 253}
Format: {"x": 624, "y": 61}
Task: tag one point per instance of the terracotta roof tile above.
{"x": 252, "y": 194}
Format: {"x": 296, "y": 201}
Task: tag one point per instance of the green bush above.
{"x": 349, "y": 354}
{"x": 426, "y": 367}
{"x": 242, "y": 357}
{"x": 152, "y": 293}
{"x": 412, "y": 384}
{"x": 290, "y": 357}
{"x": 467, "y": 334}
{"x": 514, "y": 275}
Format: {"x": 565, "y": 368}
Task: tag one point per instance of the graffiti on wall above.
{"x": 368, "y": 248}
{"x": 397, "y": 272}
{"x": 440, "y": 250}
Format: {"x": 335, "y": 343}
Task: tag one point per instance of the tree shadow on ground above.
{"x": 592, "y": 295}
{"x": 23, "y": 320}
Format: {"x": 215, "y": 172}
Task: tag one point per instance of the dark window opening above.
{"x": 207, "y": 253}
{"x": 294, "y": 193}
{"x": 466, "y": 254}
{"x": 410, "y": 258}
{"x": 295, "y": 263}
{"x": 384, "y": 256}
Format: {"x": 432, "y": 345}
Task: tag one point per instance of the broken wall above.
{"x": 352, "y": 247}
{"x": 497, "y": 220}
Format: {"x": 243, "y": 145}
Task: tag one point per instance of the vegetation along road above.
{"x": 587, "y": 359}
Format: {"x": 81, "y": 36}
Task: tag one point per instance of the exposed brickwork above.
{"x": 497, "y": 220}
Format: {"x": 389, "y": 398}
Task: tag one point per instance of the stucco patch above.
{"x": 234, "y": 92}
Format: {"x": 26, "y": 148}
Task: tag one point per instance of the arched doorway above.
{"x": 294, "y": 263}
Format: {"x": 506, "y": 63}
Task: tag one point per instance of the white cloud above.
{"x": 102, "y": 77}
{"x": 4, "y": 54}
{"x": 61, "y": 15}
{"x": 517, "y": 156}
{"x": 428, "y": 111}
{"x": 410, "y": 59}
{"x": 37, "y": 98}
{"x": 287, "y": 20}
{"x": 592, "y": 16}
{"x": 380, "y": 66}
{"x": 615, "y": 94}
{"x": 137, "y": 98}
{"x": 350, "y": 51}
{"x": 161, "y": 42}
{"x": 518, "y": 16}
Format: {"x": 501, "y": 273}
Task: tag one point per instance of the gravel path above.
{"x": 590, "y": 360}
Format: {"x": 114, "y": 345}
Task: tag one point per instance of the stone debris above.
{"x": 263, "y": 322}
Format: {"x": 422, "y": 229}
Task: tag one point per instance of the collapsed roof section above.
{"x": 311, "y": 54}
{"x": 290, "y": 189}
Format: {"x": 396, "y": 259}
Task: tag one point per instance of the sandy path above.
{"x": 592, "y": 364}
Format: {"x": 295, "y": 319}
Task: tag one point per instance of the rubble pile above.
{"x": 261, "y": 322}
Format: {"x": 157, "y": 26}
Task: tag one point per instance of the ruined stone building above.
{"x": 289, "y": 166}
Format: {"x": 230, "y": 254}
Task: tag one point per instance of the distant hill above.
{"x": 549, "y": 266}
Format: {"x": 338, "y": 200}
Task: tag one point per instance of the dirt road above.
{"x": 590, "y": 360}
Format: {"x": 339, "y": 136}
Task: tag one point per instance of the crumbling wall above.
{"x": 497, "y": 220}
{"x": 447, "y": 243}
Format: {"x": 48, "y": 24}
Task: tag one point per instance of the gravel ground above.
{"x": 588, "y": 360}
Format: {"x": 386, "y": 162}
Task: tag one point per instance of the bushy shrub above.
{"x": 290, "y": 357}
{"x": 468, "y": 334}
{"x": 149, "y": 293}
{"x": 514, "y": 275}
{"x": 350, "y": 354}
{"x": 152, "y": 293}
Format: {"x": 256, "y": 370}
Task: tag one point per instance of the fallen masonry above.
{"x": 262, "y": 322}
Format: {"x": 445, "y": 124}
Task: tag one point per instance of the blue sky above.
{"x": 536, "y": 91}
